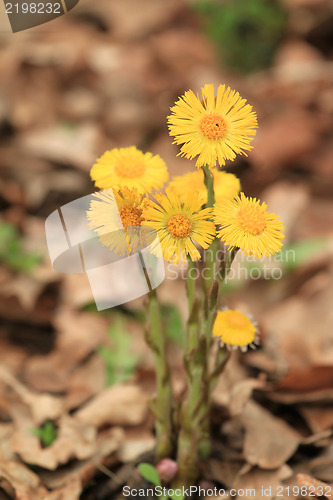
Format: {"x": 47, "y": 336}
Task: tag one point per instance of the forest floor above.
{"x": 75, "y": 383}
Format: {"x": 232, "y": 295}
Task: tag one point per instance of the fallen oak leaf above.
{"x": 118, "y": 405}
{"x": 265, "y": 483}
{"x": 42, "y": 406}
{"x": 241, "y": 394}
{"x": 70, "y": 491}
{"x": 27, "y": 484}
{"x": 107, "y": 443}
{"x": 75, "y": 343}
{"x": 269, "y": 441}
{"x": 76, "y": 440}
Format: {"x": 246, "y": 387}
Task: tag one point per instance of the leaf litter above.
{"x": 272, "y": 415}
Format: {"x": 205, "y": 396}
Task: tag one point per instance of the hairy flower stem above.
{"x": 195, "y": 364}
{"x": 194, "y": 442}
{"x": 204, "y": 445}
{"x": 161, "y": 405}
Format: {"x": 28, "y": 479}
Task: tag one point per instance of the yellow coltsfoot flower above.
{"x": 235, "y": 330}
{"x": 214, "y": 128}
{"x": 247, "y": 225}
{"x": 129, "y": 167}
{"x": 226, "y": 186}
{"x": 116, "y": 216}
{"x": 179, "y": 222}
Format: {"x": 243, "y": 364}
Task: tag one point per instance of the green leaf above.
{"x": 177, "y": 497}
{"x": 11, "y": 253}
{"x": 247, "y": 33}
{"x": 149, "y": 473}
{"x": 120, "y": 362}
{"x": 47, "y": 434}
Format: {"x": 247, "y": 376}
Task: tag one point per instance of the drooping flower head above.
{"x": 116, "y": 216}
{"x": 226, "y": 186}
{"x": 214, "y": 128}
{"x": 131, "y": 168}
{"x": 236, "y": 330}
{"x": 179, "y": 222}
{"x": 246, "y": 224}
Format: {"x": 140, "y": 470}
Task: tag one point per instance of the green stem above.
{"x": 162, "y": 404}
{"x": 195, "y": 363}
{"x": 194, "y": 436}
{"x": 225, "y": 265}
{"x": 209, "y": 183}
{"x": 222, "y": 357}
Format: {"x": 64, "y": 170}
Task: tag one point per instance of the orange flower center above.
{"x": 237, "y": 320}
{"x": 252, "y": 219}
{"x": 213, "y": 126}
{"x": 131, "y": 169}
{"x": 131, "y": 216}
{"x": 179, "y": 226}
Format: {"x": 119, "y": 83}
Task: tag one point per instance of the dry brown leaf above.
{"x": 117, "y": 405}
{"x": 287, "y": 398}
{"x": 289, "y": 201}
{"x": 321, "y": 467}
{"x": 268, "y": 152}
{"x": 313, "y": 378}
{"x": 223, "y": 471}
{"x": 107, "y": 443}
{"x": 86, "y": 381}
{"x": 26, "y": 483}
{"x": 269, "y": 441}
{"x": 233, "y": 374}
{"x": 63, "y": 145}
{"x": 75, "y": 440}
{"x": 6, "y": 432}
{"x": 79, "y": 335}
{"x": 26, "y": 288}
{"x": 42, "y": 406}
{"x": 71, "y": 491}
{"x": 321, "y": 439}
{"x": 318, "y": 418}
{"x": 317, "y": 487}
{"x": 135, "y": 446}
{"x": 241, "y": 394}
{"x": 264, "y": 482}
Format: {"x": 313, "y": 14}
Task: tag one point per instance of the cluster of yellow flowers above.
{"x": 211, "y": 129}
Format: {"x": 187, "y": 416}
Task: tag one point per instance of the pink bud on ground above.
{"x": 167, "y": 469}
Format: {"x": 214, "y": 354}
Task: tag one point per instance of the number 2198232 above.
{"x": 33, "y": 8}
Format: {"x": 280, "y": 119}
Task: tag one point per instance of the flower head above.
{"x": 225, "y": 185}
{"x": 131, "y": 168}
{"x": 215, "y": 128}
{"x": 116, "y": 217}
{"x": 179, "y": 222}
{"x": 235, "y": 330}
{"x": 247, "y": 225}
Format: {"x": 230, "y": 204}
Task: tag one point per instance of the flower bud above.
{"x": 167, "y": 469}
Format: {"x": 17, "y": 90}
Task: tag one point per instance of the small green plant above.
{"x": 151, "y": 474}
{"x": 247, "y": 33}
{"x": 120, "y": 363}
{"x": 48, "y": 433}
{"x": 11, "y": 252}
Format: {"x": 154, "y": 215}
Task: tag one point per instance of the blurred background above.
{"x": 104, "y": 76}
